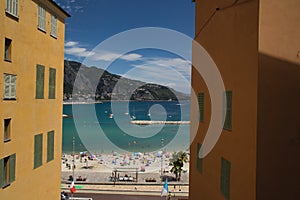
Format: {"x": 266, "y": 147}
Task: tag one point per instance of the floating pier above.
{"x": 148, "y": 122}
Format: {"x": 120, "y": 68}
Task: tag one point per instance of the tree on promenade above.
{"x": 177, "y": 161}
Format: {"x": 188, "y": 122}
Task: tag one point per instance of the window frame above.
{"x": 38, "y": 151}
{"x": 7, "y": 170}
{"x": 8, "y": 50}
{"x": 201, "y": 99}
{"x": 50, "y": 145}
{"x": 228, "y": 108}
{"x": 52, "y": 84}
{"x": 12, "y": 8}
{"x": 53, "y": 26}
{"x": 225, "y": 178}
{"x": 42, "y": 18}
{"x": 11, "y": 87}
{"x": 7, "y": 129}
{"x": 40, "y": 82}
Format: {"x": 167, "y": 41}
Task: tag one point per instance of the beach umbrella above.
{"x": 159, "y": 154}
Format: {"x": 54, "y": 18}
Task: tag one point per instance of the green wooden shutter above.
{"x": 40, "y": 74}
{"x": 50, "y": 146}
{"x": 225, "y": 178}
{"x": 15, "y": 7}
{"x": 41, "y": 18}
{"x": 52, "y": 83}
{"x": 53, "y": 30}
{"x": 12, "y": 168}
{"x": 6, "y": 86}
{"x": 199, "y": 160}
{"x": 13, "y": 85}
{"x": 201, "y": 106}
{"x": 228, "y": 116}
{"x": 7, "y": 5}
{"x": 2, "y": 173}
{"x": 38, "y": 150}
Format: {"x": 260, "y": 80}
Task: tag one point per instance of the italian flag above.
{"x": 72, "y": 187}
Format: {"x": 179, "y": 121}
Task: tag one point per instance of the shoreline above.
{"x": 150, "y": 122}
{"x": 100, "y": 168}
{"x": 105, "y": 101}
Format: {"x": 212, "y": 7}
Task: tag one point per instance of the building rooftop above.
{"x": 60, "y": 8}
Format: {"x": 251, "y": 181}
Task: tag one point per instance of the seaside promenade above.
{"x": 124, "y": 197}
{"x": 129, "y": 189}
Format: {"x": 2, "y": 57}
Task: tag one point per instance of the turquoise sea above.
{"x": 105, "y": 127}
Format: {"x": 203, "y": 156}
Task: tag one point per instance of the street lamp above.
{"x": 162, "y": 159}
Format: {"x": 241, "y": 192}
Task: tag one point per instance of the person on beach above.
{"x": 169, "y": 197}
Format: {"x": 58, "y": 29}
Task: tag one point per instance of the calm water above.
{"x": 103, "y": 128}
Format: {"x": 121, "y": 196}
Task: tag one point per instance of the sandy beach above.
{"x": 99, "y": 168}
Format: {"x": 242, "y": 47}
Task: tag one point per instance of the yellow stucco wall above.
{"x": 31, "y": 116}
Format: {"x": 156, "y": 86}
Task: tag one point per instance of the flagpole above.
{"x": 73, "y": 173}
{"x": 162, "y": 160}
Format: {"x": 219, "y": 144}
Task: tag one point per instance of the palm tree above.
{"x": 177, "y": 161}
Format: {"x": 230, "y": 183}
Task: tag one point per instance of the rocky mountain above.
{"x": 93, "y": 83}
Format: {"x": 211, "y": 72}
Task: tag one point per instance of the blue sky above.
{"x": 95, "y": 21}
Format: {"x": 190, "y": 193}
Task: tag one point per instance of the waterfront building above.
{"x": 256, "y": 47}
{"x": 31, "y": 89}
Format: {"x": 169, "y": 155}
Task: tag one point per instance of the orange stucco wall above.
{"x": 279, "y": 96}
{"x": 230, "y": 35}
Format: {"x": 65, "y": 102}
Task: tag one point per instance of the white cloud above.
{"x": 78, "y": 51}
{"x": 71, "y": 44}
{"x": 105, "y": 56}
{"x": 73, "y": 48}
{"x": 171, "y": 72}
{"x": 131, "y": 57}
{"x": 177, "y": 65}
{"x": 111, "y": 56}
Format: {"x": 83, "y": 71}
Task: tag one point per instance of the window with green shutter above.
{"x": 50, "y": 146}
{"x": 228, "y": 108}
{"x": 12, "y": 168}
{"x": 53, "y": 30}
{"x": 225, "y": 178}
{"x": 41, "y": 18}
{"x": 199, "y": 160}
{"x": 40, "y": 76}
{"x": 38, "y": 150}
{"x": 201, "y": 106}
{"x": 52, "y": 83}
{"x": 7, "y": 170}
